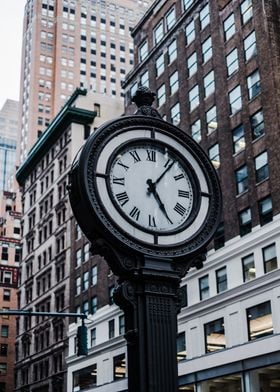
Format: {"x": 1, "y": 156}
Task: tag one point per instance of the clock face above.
{"x": 151, "y": 186}
{"x": 146, "y": 187}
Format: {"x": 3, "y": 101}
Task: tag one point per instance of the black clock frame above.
{"x": 94, "y": 220}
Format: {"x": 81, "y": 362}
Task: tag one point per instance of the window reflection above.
{"x": 259, "y": 320}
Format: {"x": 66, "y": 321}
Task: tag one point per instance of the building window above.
{"x": 269, "y": 258}
{"x": 170, "y": 19}
{"x": 257, "y": 124}
{"x": 265, "y": 210}
{"x": 245, "y": 222}
{"x": 211, "y": 119}
{"x": 204, "y": 289}
{"x": 172, "y": 51}
{"x": 194, "y": 97}
{"x": 119, "y": 366}
{"x": 209, "y": 84}
{"x": 229, "y": 27}
{"x": 214, "y": 335}
{"x": 94, "y": 304}
{"x": 143, "y": 51}
{"x": 161, "y": 95}
{"x": 219, "y": 237}
{"x": 174, "y": 83}
{"x": 85, "y": 378}
{"x": 6, "y": 295}
{"x": 85, "y": 307}
{"x": 175, "y": 114}
{"x": 207, "y": 49}
{"x": 192, "y": 64}
{"x": 238, "y": 139}
{"x": 241, "y": 179}
{"x": 190, "y": 32}
{"x": 78, "y": 257}
{"x": 3, "y": 369}
{"x": 253, "y": 84}
{"x": 221, "y": 279}
{"x": 4, "y": 331}
{"x": 235, "y": 101}
{"x": 3, "y": 351}
{"x": 121, "y": 325}
{"x": 214, "y": 155}
{"x": 86, "y": 252}
{"x": 261, "y": 167}
{"x": 196, "y": 131}
{"x": 85, "y": 280}
{"x": 187, "y": 4}
{"x": 160, "y": 65}
{"x": 259, "y": 319}
{"x": 232, "y": 62}
{"x": 181, "y": 346}
{"x": 250, "y": 46}
{"x": 246, "y": 9}
{"x": 93, "y": 337}
{"x": 248, "y": 268}
{"x": 144, "y": 79}
{"x": 158, "y": 33}
{"x": 204, "y": 16}
{"x": 94, "y": 275}
{"x": 111, "y": 327}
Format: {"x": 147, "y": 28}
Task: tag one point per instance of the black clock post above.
{"x": 149, "y": 200}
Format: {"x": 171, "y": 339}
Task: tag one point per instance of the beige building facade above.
{"x": 68, "y": 44}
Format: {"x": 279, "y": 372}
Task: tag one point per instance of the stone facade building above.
{"x": 53, "y": 258}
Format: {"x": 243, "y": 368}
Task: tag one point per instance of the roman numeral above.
{"x": 152, "y": 221}
{"x": 180, "y": 209}
{"x": 119, "y": 181}
{"x": 135, "y": 156}
{"x": 123, "y": 165}
{"x": 179, "y": 177}
{"x": 134, "y": 213}
{"x": 122, "y": 198}
{"x": 183, "y": 193}
{"x": 167, "y": 163}
{"x": 151, "y": 155}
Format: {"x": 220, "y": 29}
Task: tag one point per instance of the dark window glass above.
{"x": 265, "y": 210}
{"x": 261, "y": 167}
{"x": 269, "y": 258}
{"x": 214, "y": 335}
{"x": 259, "y": 320}
{"x": 257, "y": 124}
{"x": 248, "y": 267}
{"x": 204, "y": 290}
{"x": 245, "y": 222}
{"x": 219, "y": 238}
{"x": 241, "y": 178}
{"x": 181, "y": 346}
{"x": 221, "y": 279}
{"x": 119, "y": 367}
{"x": 238, "y": 139}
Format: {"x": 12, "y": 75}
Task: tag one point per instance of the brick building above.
{"x": 214, "y": 66}
{"x": 10, "y": 253}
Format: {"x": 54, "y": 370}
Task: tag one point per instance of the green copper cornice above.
{"x": 68, "y": 114}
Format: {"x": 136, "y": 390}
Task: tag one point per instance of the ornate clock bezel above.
{"x": 95, "y": 220}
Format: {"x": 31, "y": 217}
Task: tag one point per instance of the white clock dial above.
{"x": 151, "y": 186}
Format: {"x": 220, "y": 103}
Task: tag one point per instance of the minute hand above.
{"x": 165, "y": 171}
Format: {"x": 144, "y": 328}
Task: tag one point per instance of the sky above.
{"x": 11, "y": 21}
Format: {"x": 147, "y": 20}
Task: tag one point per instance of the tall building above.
{"x": 214, "y": 66}
{"x": 10, "y": 254}
{"x": 69, "y": 44}
{"x": 57, "y": 272}
{"x": 8, "y": 142}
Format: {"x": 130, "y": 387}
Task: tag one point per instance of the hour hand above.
{"x": 152, "y": 189}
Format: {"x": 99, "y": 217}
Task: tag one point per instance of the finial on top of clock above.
{"x": 144, "y": 99}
